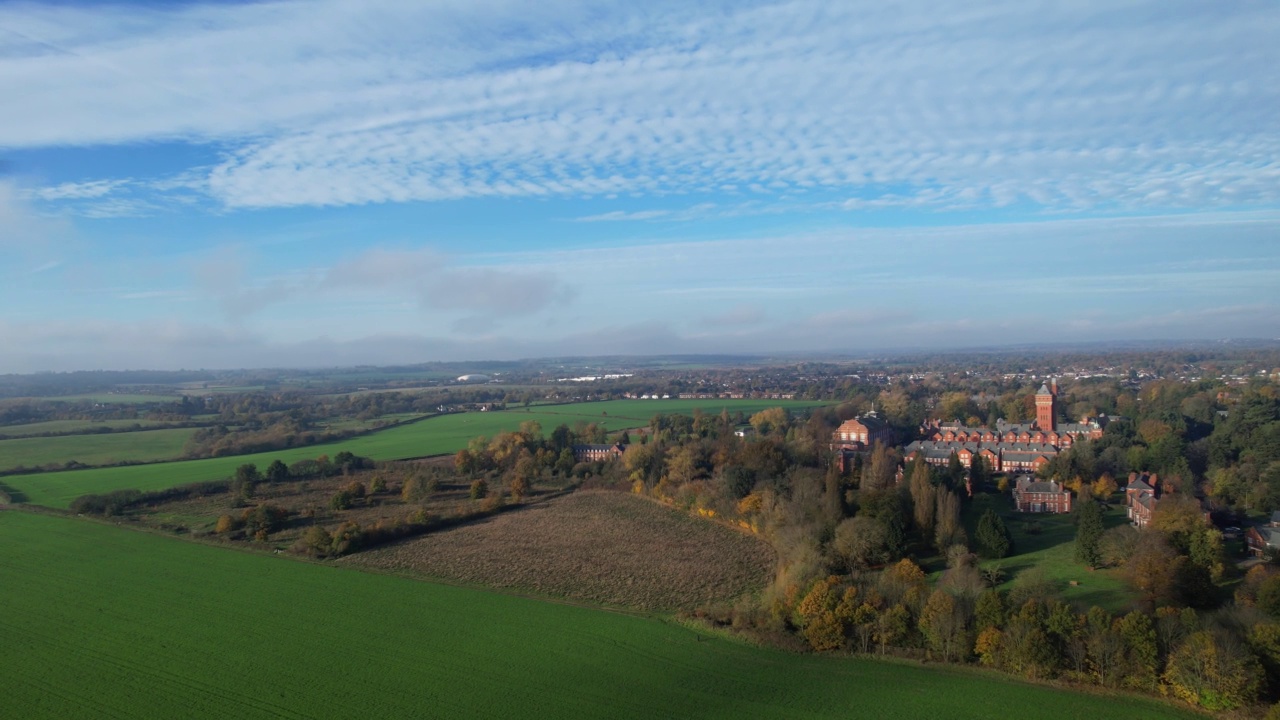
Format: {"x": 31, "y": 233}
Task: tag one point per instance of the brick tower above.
{"x": 1045, "y": 415}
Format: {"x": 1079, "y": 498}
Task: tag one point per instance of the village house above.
{"x": 594, "y": 453}
{"x": 1040, "y": 496}
{"x": 1140, "y": 497}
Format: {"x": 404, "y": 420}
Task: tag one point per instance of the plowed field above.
{"x": 595, "y": 546}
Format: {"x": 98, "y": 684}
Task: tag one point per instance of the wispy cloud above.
{"x": 897, "y": 104}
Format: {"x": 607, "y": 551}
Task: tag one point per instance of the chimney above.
{"x": 1053, "y": 387}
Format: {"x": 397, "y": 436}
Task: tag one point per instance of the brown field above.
{"x": 595, "y": 546}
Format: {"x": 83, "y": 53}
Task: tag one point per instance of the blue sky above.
{"x": 331, "y": 182}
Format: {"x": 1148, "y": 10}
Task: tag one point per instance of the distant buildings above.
{"x": 1008, "y": 447}
{"x": 594, "y": 453}
{"x": 1040, "y": 496}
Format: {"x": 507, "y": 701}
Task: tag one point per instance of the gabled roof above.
{"x": 1275, "y": 518}
{"x": 1044, "y": 390}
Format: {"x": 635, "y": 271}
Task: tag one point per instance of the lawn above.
{"x": 69, "y": 427}
{"x": 95, "y": 449}
{"x": 433, "y": 436}
{"x": 1052, "y": 550}
{"x": 100, "y": 621}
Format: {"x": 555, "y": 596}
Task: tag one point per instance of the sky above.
{"x": 332, "y": 182}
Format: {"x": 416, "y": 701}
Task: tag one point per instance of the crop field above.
{"x": 597, "y": 546}
{"x": 99, "y": 449}
{"x": 433, "y": 436}
{"x": 100, "y": 621}
{"x": 68, "y": 427}
{"x": 1050, "y": 547}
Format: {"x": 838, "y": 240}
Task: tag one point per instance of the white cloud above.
{"x": 1061, "y": 105}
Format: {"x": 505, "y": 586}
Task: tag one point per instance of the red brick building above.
{"x": 1040, "y": 496}
{"x": 593, "y": 453}
{"x": 860, "y": 432}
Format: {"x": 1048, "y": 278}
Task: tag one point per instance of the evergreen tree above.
{"x": 993, "y": 537}
{"x": 1089, "y": 531}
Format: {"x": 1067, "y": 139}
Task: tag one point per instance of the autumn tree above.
{"x": 1205, "y": 672}
{"x": 924, "y": 497}
{"x": 947, "y": 529}
{"x": 773, "y": 420}
{"x": 943, "y": 626}
{"x": 860, "y": 542}
{"x": 880, "y": 470}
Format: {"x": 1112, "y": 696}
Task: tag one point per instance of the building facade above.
{"x": 1040, "y": 496}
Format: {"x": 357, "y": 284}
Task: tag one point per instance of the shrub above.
{"x": 479, "y": 489}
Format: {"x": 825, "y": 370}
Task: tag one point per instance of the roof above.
{"x": 1275, "y": 518}
{"x": 1044, "y": 390}
{"x": 1028, "y": 484}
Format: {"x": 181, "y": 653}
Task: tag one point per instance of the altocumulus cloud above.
{"x": 1062, "y": 105}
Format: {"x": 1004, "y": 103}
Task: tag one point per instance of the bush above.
{"x": 479, "y": 489}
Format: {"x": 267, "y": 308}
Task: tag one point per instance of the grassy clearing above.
{"x": 103, "y": 449}
{"x": 70, "y": 427}
{"x": 179, "y": 629}
{"x": 1051, "y": 549}
{"x": 433, "y": 436}
{"x": 596, "y": 546}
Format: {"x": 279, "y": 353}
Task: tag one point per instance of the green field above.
{"x": 68, "y": 427}
{"x": 433, "y": 436}
{"x": 109, "y": 398}
{"x": 100, "y": 449}
{"x": 105, "y": 622}
{"x": 1052, "y": 550}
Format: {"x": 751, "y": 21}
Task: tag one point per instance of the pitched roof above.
{"x": 1044, "y": 390}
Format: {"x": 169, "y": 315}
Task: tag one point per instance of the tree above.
{"x": 479, "y": 489}
{"x": 879, "y": 471}
{"x": 941, "y": 624}
{"x": 1104, "y": 487}
{"x": 244, "y": 480}
{"x": 861, "y": 542}
{"x": 1204, "y": 672}
{"x": 770, "y": 421}
{"x": 924, "y": 497}
{"x": 994, "y": 540}
{"x": 1089, "y": 530}
{"x": 277, "y": 472}
{"x": 947, "y": 530}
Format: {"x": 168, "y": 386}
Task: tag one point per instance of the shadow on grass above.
{"x": 16, "y": 496}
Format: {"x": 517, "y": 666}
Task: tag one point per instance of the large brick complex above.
{"x": 1008, "y": 447}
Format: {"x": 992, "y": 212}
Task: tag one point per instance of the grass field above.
{"x": 108, "y": 398}
{"x": 599, "y": 546}
{"x": 75, "y": 426}
{"x": 100, "y": 449}
{"x": 433, "y": 436}
{"x": 1052, "y": 550}
{"x": 102, "y": 622}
